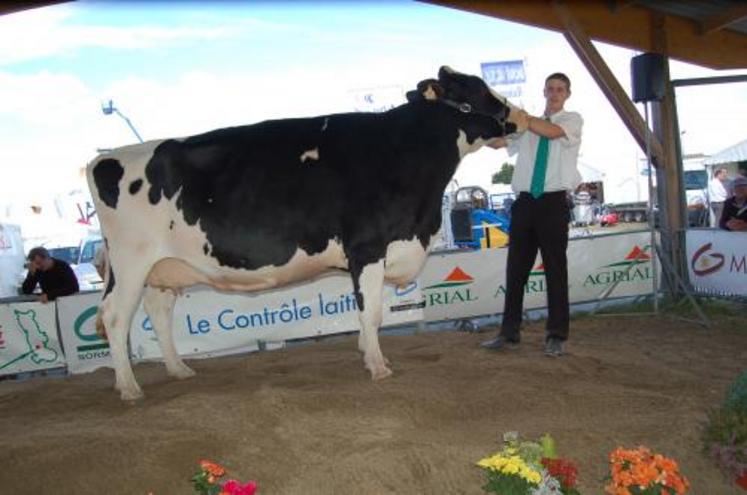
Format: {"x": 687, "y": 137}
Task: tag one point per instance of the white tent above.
{"x": 735, "y": 153}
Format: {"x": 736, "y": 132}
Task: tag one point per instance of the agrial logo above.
{"x": 535, "y": 284}
{"x": 704, "y": 262}
{"x": 454, "y": 289}
{"x": 634, "y": 267}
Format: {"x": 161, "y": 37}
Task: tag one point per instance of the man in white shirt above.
{"x": 546, "y": 168}
{"x": 717, "y": 195}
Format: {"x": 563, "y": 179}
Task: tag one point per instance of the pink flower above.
{"x": 233, "y": 487}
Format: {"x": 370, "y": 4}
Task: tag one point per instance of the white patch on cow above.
{"x": 465, "y": 148}
{"x": 326, "y": 122}
{"x": 312, "y": 154}
{"x": 404, "y": 260}
{"x": 371, "y": 285}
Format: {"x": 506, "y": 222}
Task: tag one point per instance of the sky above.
{"x": 181, "y": 68}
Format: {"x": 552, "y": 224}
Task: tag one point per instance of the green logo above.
{"x": 95, "y": 341}
{"x": 37, "y": 340}
{"x": 452, "y": 290}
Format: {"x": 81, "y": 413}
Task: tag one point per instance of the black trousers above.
{"x": 538, "y": 224}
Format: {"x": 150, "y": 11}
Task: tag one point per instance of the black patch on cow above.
{"x": 205, "y": 248}
{"x": 171, "y": 225}
{"x": 106, "y": 175}
{"x": 380, "y": 178}
{"x": 110, "y": 284}
{"x": 135, "y": 186}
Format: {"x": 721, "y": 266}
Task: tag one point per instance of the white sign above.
{"x": 717, "y": 261}
{"x": 506, "y": 77}
{"x": 28, "y": 338}
{"x": 208, "y": 323}
{"x": 462, "y": 285}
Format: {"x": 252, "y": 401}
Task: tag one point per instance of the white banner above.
{"x": 208, "y": 323}
{"x": 717, "y": 261}
{"x": 462, "y": 285}
{"x": 28, "y": 338}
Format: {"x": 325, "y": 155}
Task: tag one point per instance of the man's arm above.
{"x": 545, "y": 128}
{"x": 29, "y": 284}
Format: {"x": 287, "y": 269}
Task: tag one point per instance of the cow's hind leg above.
{"x": 368, "y": 284}
{"x": 159, "y": 306}
{"x": 120, "y": 302}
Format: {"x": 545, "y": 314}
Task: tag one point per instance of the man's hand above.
{"x": 32, "y": 268}
{"x": 521, "y": 119}
{"x": 43, "y": 298}
{"x": 736, "y": 224}
{"x": 497, "y": 143}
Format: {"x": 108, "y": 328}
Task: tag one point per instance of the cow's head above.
{"x": 485, "y": 113}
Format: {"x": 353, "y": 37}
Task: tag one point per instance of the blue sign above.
{"x": 501, "y": 73}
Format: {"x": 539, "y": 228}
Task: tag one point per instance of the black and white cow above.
{"x": 260, "y": 206}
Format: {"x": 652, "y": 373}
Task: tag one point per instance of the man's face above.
{"x": 556, "y": 92}
{"x": 721, "y": 175}
{"x": 40, "y": 263}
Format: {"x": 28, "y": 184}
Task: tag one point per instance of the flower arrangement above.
{"x": 725, "y": 435}
{"x": 207, "y": 481}
{"x": 529, "y": 468}
{"x": 642, "y": 472}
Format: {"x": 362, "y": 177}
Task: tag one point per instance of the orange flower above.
{"x": 212, "y": 468}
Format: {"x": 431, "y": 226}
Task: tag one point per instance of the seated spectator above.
{"x": 55, "y": 277}
{"x": 734, "y": 216}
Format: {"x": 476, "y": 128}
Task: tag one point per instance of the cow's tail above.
{"x": 104, "y": 269}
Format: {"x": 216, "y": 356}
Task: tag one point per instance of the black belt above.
{"x": 550, "y": 194}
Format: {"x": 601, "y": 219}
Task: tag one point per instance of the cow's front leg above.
{"x": 369, "y": 283}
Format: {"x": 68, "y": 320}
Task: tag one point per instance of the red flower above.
{"x": 233, "y": 487}
{"x": 564, "y": 471}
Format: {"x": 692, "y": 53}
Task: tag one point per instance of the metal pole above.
{"x": 132, "y": 127}
{"x": 651, "y": 223}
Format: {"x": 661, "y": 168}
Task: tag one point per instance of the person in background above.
{"x": 734, "y": 216}
{"x": 55, "y": 277}
{"x": 717, "y": 194}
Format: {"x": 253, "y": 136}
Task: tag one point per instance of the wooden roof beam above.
{"x": 722, "y": 19}
{"x": 608, "y": 83}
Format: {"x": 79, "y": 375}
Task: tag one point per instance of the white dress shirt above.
{"x": 562, "y": 171}
{"x": 716, "y": 191}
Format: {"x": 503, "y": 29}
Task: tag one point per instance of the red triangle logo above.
{"x": 540, "y": 268}
{"x": 637, "y": 254}
{"x": 458, "y": 275}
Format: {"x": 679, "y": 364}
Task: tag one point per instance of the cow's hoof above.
{"x": 380, "y": 373}
{"x": 182, "y": 372}
{"x": 131, "y": 395}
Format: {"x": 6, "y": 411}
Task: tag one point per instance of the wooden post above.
{"x": 669, "y": 183}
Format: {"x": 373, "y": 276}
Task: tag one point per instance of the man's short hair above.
{"x": 718, "y": 171}
{"x": 560, "y": 77}
{"x": 38, "y": 251}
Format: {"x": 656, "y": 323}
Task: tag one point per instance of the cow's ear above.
{"x": 430, "y": 89}
{"x": 413, "y": 96}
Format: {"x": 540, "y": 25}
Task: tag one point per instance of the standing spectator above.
{"x": 546, "y": 169}
{"x": 55, "y": 277}
{"x": 717, "y": 194}
{"x": 734, "y": 216}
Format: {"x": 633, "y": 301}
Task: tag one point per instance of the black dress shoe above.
{"x": 500, "y": 342}
{"x": 554, "y": 347}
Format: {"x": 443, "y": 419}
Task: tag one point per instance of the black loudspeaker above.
{"x": 647, "y": 76}
{"x": 461, "y": 224}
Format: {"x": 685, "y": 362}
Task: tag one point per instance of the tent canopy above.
{"x": 735, "y": 153}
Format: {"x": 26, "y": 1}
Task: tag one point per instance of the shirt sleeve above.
{"x": 68, "y": 284}
{"x": 513, "y": 143}
{"x": 30, "y": 283}
{"x": 571, "y": 123}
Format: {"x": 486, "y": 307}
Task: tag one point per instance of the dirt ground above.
{"x": 307, "y": 420}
